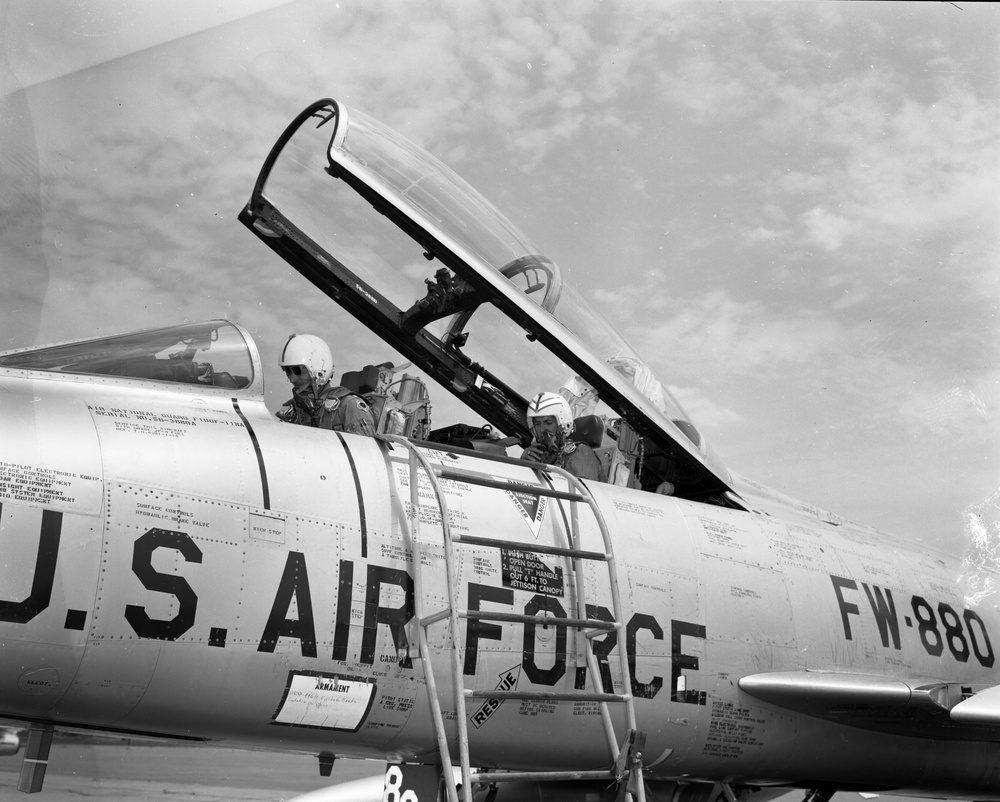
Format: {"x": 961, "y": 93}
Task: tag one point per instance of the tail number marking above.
{"x": 938, "y": 627}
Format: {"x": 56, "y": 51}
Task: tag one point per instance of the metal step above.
{"x": 626, "y": 759}
{"x": 551, "y": 696}
{"x": 544, "y": 620}
{"x": 482, "y": 481}
{"x": 534, "y": 548}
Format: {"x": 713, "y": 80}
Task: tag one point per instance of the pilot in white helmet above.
{"x": 316, "y": 401}
{"x": 551, "y": 421}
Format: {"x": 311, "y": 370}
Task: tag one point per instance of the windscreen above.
{"x": 213, "y": 354}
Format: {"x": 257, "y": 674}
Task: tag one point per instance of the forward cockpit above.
{"x": 215, "y": 353}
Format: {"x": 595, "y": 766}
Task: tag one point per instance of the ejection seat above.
{"x": 399, "y": 406}
{"x": 613, "y": 442}
{"x": 588, "y": 430}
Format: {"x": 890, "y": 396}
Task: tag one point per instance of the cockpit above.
{"x": 430, "y": 266}
{"x": 421, "y": 258}
{"x": 215, "y": 353}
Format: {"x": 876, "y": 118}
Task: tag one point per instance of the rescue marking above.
{"x": 508, "y": 682}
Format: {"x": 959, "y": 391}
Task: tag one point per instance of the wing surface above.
{"x": 982, "y": 708}
{"x": 919, "y": 706}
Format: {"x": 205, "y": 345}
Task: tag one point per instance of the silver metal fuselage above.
{"x": 178, "y": 563}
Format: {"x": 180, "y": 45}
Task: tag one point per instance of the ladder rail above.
{"x": 592, "y": 665}
{"x": 585, "y": 645}
{"x": 583, "y": 639}
{"x": 616, "y": 602}
{"x": 415, "y": 459}
{"x": 580, "y": 494}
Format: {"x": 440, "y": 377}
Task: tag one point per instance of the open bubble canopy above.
{"x": 427, "y": 263}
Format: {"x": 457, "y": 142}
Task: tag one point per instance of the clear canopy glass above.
{"x": 498, "y": 319}
{"x": 209, "y": 354}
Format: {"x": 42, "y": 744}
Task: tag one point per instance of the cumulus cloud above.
{"x": 705, "y": 412}
{"x": 826, "y": 229}
{"x": 722, "y": 333}
{"x": 790, "y": 207}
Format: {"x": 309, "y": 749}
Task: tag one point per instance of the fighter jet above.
{"x": 180, "y": 564}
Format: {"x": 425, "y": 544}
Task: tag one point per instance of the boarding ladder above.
{"x": 626, "y": 758}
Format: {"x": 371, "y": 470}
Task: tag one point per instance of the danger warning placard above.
{"x": 530, "y": 505}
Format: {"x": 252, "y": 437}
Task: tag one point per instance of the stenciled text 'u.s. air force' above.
{"x": 388, "y": 603}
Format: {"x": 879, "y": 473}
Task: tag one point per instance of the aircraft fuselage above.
{"x": 180, "y": 564}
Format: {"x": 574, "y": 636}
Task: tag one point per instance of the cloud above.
{"x": 954, "y": 411}
{"x": 705, "y": 412}
{"x": 47, "y": 39}
{"x": 826, "y": 229}
{"x": 790, "y": 207}
{"x": 738, "y": 337}
{"x": 854, "y": 149}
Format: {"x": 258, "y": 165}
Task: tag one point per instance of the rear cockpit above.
{"x": 213, "y": 354}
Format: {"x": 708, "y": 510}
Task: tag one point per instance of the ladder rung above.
{"x": 599, "y": 632}
{"x": 530, "y": 547}
{"x": 544, "y": 620}
{"x": 433, "y": 618}
{"x": 576, "y": 492}
{"x": 531, "y": 490}
{"x": 550, "y": 696}
{"x": 531, "y": 776}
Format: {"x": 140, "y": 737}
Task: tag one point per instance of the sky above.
{"x": 790, "y": 209}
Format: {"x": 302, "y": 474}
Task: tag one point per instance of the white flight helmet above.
{"x": 312, "y": 353}
{"x": 545, "y": 404}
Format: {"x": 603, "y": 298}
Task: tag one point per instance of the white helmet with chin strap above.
{"x": 310, "y": 352}
{"x": 545, "y": 404}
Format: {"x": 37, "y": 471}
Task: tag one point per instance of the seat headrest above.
{"x": 589, "y": 429}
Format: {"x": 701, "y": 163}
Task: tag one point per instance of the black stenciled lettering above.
{"x": 643, "y": 690}
{"x": 953, "y": 634}
{"x": 177, "y": 586}
{"x": 342, "y": 627}
{"x": 929, "y": 635}
{"x": 475, "y": 629}
{"x": 680, "y": 661}
{"x": 543, "y": 676}
{"x": 294, "y": 584}
{"x": 21, "y": 612}
{"x": 884, "y": 610}
{"x": 846, "y": 608}
{"x": 986, "y": 658}
{"x": 601, "y": 647}
{"x": 394, "y": 617}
